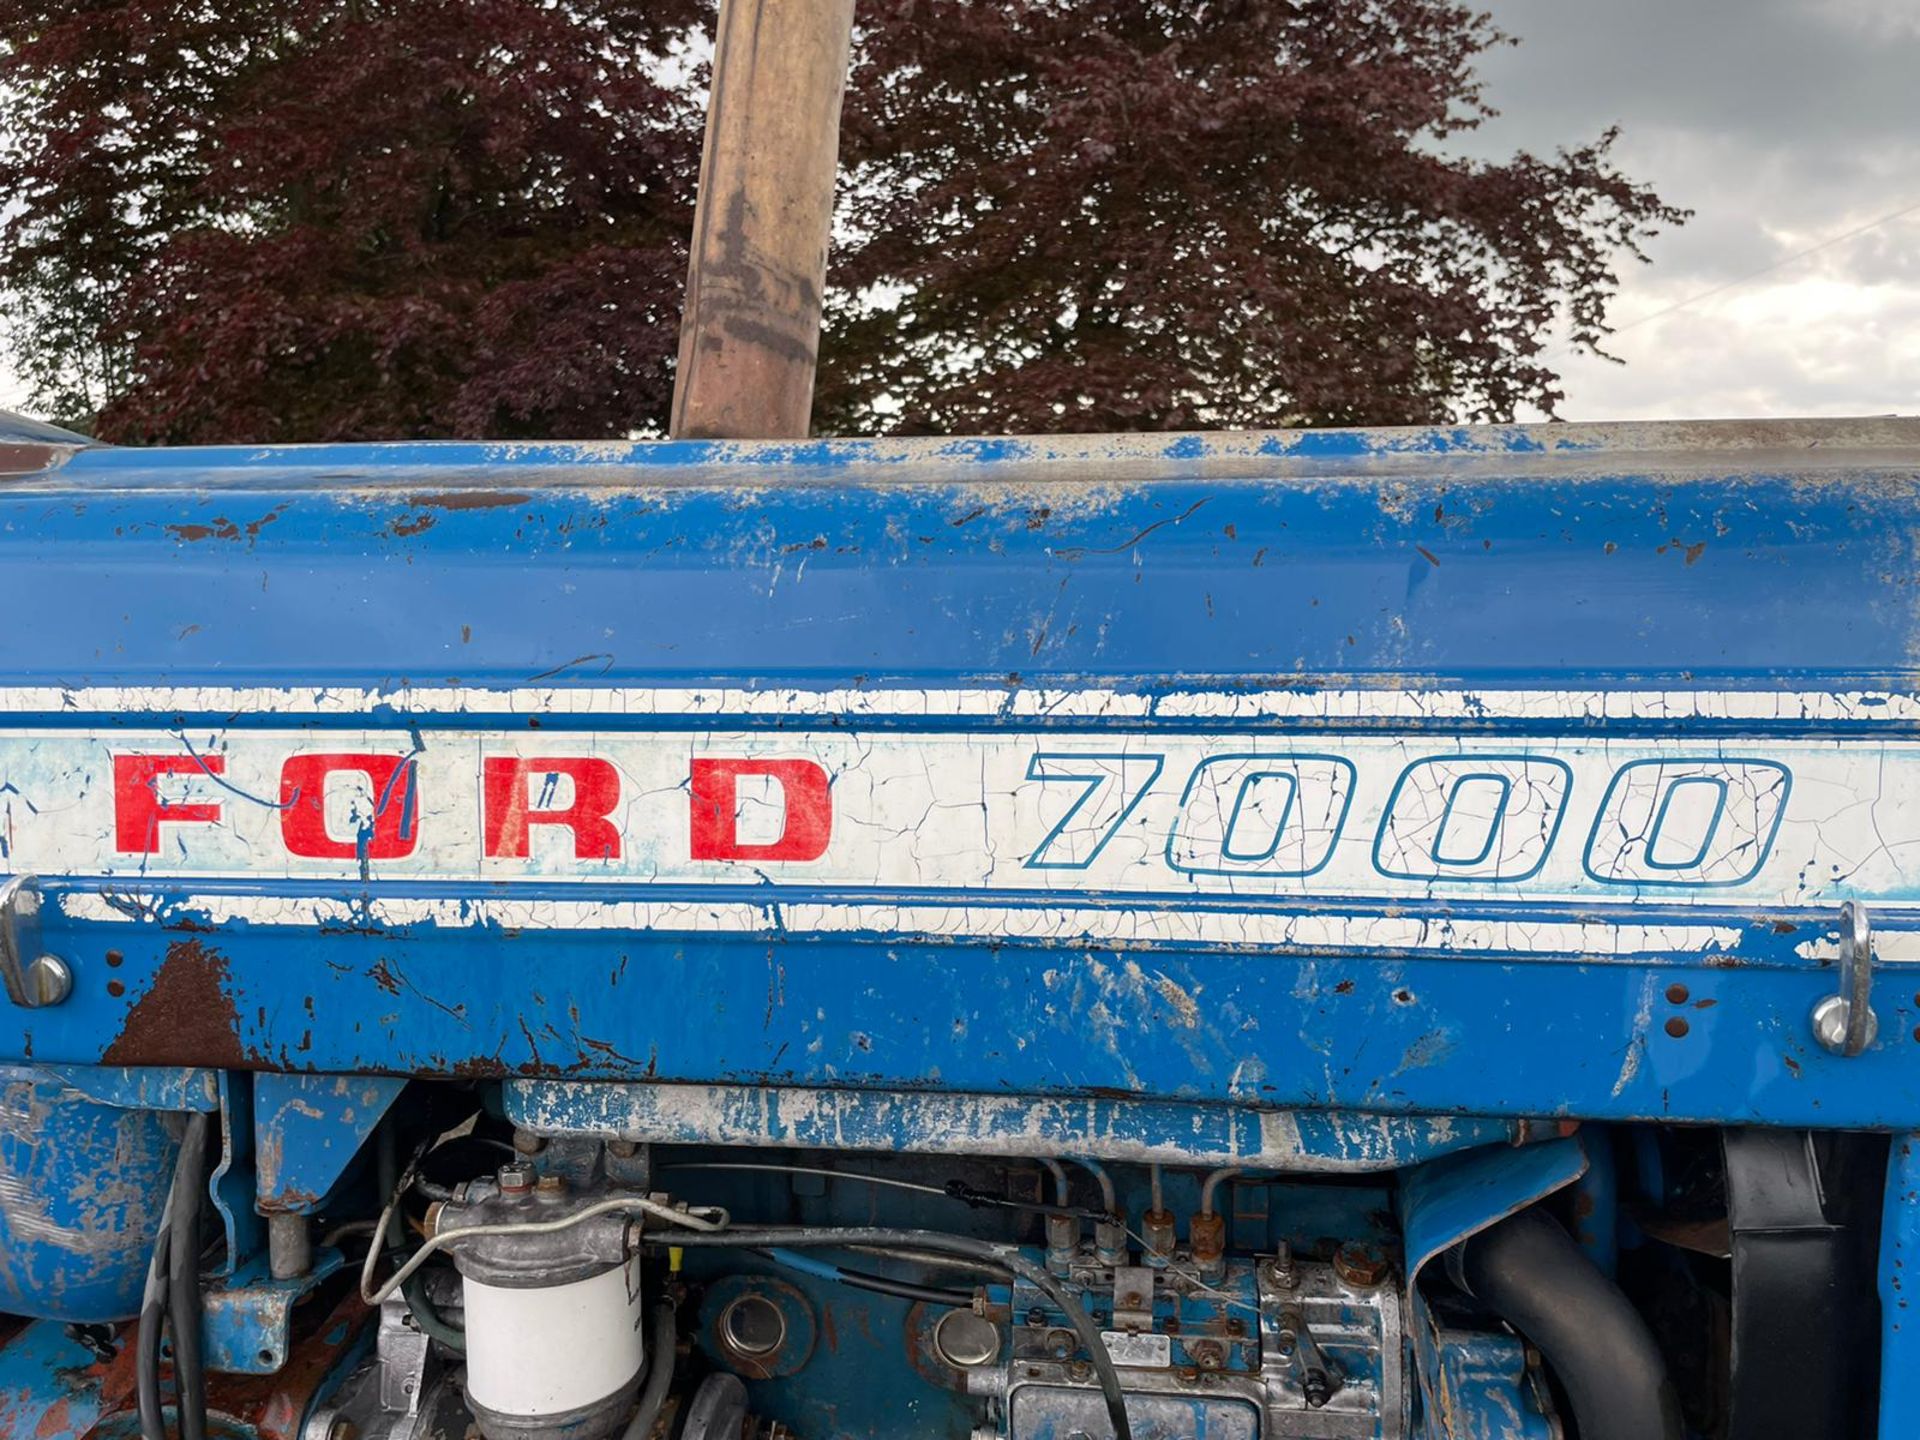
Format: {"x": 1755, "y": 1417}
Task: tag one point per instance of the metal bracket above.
{"x": 33, "y": 978}
{"x": 1845, "y": 1023}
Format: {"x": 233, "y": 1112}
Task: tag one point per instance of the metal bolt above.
{"x": 515, "y": 1178}
{"x": 1316, "y": 1389}
{"x": 1207, "y": 1354}
{"x": 528, "y": 1143}
{"x": 1360, "y": 1265}
{"x": 1279, "y": 1272}
{"x": 1830, "y": 1018}
{"x": 49, "y": 981}
{"x": 551, "y": 1185}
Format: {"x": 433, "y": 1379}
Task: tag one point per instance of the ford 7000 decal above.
{"x": 1668, "y": 821}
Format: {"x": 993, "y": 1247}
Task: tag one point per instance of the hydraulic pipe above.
{"x": 1530, "y": 1272}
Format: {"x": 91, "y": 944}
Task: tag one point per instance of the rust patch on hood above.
{"x": 185, "y": 1018}
{"x": 30, "y": 457}
{"x": 469, "y": 500}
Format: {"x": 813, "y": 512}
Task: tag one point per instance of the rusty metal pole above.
{"x": 751, "y": 333}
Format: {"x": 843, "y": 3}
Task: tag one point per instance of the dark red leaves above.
{"x": 333, "y": 219}
{"x": 1120, "y": 214}
{"x": 336, "y": 219}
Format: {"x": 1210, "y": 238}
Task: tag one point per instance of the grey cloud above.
{"x": 1786, "y": 75}
{"x": 1782, "y": 124}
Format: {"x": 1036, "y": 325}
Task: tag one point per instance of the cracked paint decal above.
{"x": 1019, "y": 818}
{"x": 1307, "y": 703}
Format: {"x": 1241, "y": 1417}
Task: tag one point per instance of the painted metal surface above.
{"x": 1583, "y": 734}
{"x": 250, "y": 1316}
{"x": 1316, "y": 1141}
{"x": 30, "y": 447}
{"x": 127, "y": 1088}
{"x": 54, "y": 1387}
{"x": 1467, "y": 1390}
{"x": 1899, "y": 1285}
{"x": 51, "y": 1385}
{"x": 307, "y": 1131}
{"x": 82, "y": 1185}
{"x": 1491, "y": 1392}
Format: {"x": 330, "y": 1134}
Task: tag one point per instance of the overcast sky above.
{"x": 1783, "y": 124}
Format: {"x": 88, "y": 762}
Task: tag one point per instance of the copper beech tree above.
{"x": 1128, "y": 214}
{"x": 342, "y": 219}
{"x": 308, "y": 219}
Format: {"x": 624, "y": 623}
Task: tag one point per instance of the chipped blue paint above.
{"x": 154, "y": 1088}
{"x": 1490, "y": 1392}
{"x": 308, "y": 1129}
{"x": 1117, "y": 592}
{"x": 82, "y": 1185}
{"x": 1899, "y": 1287}
{"x": 1316, "y": 1141}
{"x": 1755, "y": 561}
{"x": 50, "y": 1384}
{"x": 248, "y": 1316}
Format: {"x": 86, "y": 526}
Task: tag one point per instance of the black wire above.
{"x": 153, "y": 1310}
{"x": 883, "y": 1285}
{"x": 183, "y": 1281}
{"x": 765, "y": 1236}
{"x": 987, "y": 1200}
{"x": 391, "y": 1179}
{"x": 859, "y": 1280}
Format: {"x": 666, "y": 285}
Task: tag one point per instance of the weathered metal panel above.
{"x": 1096, "y": 1128}
{"x": 82, "y": 1186}
{"x": 307, "y": 1129}
{"x": 1366, "y": 648}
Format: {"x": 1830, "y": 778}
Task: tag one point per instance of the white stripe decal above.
{"x": 1027, "y": 822}
{"x": 979, "y": 703}
{"x": 1101, "y": 925}
{"x": 1118, "y": 926}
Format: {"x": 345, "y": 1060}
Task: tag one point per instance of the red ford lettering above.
{"x": 511, "y": 810}
{"x": 138, "y": 810}
{"x": 387, "y": 827}
{"x": 715, "y": 791}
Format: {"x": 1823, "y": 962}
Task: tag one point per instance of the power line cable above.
{"x": 1780, "y": 264}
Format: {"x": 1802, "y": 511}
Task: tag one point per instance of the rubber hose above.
{"x": 432, "y": 1323}
{"x": 153, "y": 1312}
{"x": 1530, "y": 1272}
{"x": 183, "y": 1282}
{"x": 663, "y": 1335}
